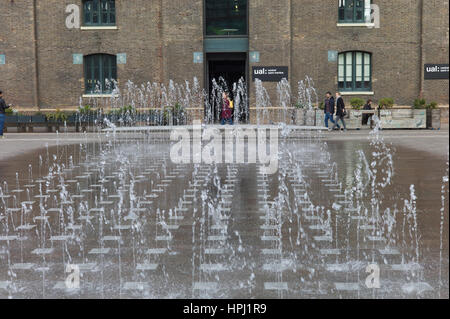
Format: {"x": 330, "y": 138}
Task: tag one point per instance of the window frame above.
{"x": 107, "y": 70}
{"x": 110, "y": 13}
{"x": 205, "y": 35}
{"x": 353, "y": 87}
{"x": 353, "y": 20}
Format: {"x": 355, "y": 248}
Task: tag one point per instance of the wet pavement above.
{"x": 136, "y": 225}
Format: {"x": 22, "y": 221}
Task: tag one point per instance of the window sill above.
{"x": 346, "y": 93}
{"x": 98, "y": 95}
{"x": 357, "y": 24}
{"x": 94, "y": 28}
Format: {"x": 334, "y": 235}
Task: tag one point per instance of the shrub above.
{"x": 432, "y": 106}
{"x": 321, "y": 105}
{"x": 419, "y": 103}
{"x": 386, "y": 102}
{"x": 9, "y": 111}
{"x": 58, "y": 116}
{"x": 357, "y": 103}
{"x": 85, "y": 109}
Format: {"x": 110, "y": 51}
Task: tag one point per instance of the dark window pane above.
{"x": 100, "y": 71}
{"x": 359, "y": 15}
{"x": 341, "y": 85}
{"x": 341, "y": 14}
{"x": 349, "y": 15}
{"x": 99, "y": 12}
{"x": 226, "y": 17}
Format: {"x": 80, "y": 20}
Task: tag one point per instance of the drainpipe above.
{"x": 291, "y": 58}
{"x": 422, "y": 62}
{"x": 36, "y": 96}
{"x": 161, "y": 42}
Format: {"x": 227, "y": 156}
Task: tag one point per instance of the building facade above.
{"x": 369, "y": 49}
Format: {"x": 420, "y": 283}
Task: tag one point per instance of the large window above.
{"x": 355, "y": 71}
{"x": 353, "y": 11}
{"x": 226, "y": 17}
{"x": 99, "y": 12}
{"x": 99, "y": 71}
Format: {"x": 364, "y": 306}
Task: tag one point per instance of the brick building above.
{"x": 364, "y": 48}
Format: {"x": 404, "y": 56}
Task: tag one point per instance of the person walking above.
{"x": 329, "y": 109}
{"x": 340, "y": 111}
{"x": 226, "y": 115}
{"x": 3, "y": 108}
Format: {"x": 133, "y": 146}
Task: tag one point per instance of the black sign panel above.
{"x": 436, "y": 71}
{"x": 270, "y": 73}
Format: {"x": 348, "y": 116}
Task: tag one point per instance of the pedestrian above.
{"x": 226, "y": 115}
{"x": 329, "y": 109}
{"x": 3, "y": 108}
{"x": 366, "y": 117}
{"x": 340, "y": 111}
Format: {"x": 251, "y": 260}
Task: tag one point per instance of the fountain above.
{"x": 114, "y": 217}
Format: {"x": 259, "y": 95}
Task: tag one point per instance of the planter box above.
{"x": 11, "y": 119}
{"x": 72, "y": 119}
{"x": 403, "y": 118}
{"x": 24, "y": 119}
{"x": 300, "y": 117}
{"x": 354, "y": 119}
{"x": 38, "y": 119}
{"x": 434, "y": 119}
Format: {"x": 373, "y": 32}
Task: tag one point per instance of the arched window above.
{"x": 99, "y": 12}
{"x": 354, "y": 11}
{"x": 355, "y": 71}
{"x": 99, "y": 72}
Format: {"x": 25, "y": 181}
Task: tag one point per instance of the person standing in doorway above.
{"x": 3, "y": 108}
{"x": 226, "y": 115}
{"x": 329, "y": 109}
{"x": 340, "y": 111}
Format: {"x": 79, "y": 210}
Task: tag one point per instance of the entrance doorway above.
{"x": 227, "y": 72}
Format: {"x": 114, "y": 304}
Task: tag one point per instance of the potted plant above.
{"x": 179, "y": 114}
{"x": 166, "y": 115}
{"x": 419, "y": 104}
{"x": 357, "y": 103}
{"x": 433, "y": 116}
{"x": 386, "y": 103}
{"x": 56, "y": 119}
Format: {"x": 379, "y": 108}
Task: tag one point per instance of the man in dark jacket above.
{"x": 340, "y": 111}
{"x": 329, "y": 109}
{"x": 3, "y": 108}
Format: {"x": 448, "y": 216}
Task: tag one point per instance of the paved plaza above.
{"x": 110, "y": 216}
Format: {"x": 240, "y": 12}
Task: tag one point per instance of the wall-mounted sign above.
{"x": 77, "y": 58}
{"x": 436, "y": 71}
{"x": 332, "y": 56}
{"x": 270, "y": 73}
{"x": 121, "y": 58}
{"x": 2, "y": 59}
{"x": 198, "y": 57}
{"x": 254, "y": 56}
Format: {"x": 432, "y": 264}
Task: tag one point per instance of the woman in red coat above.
{"x": 226, "y": 114}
